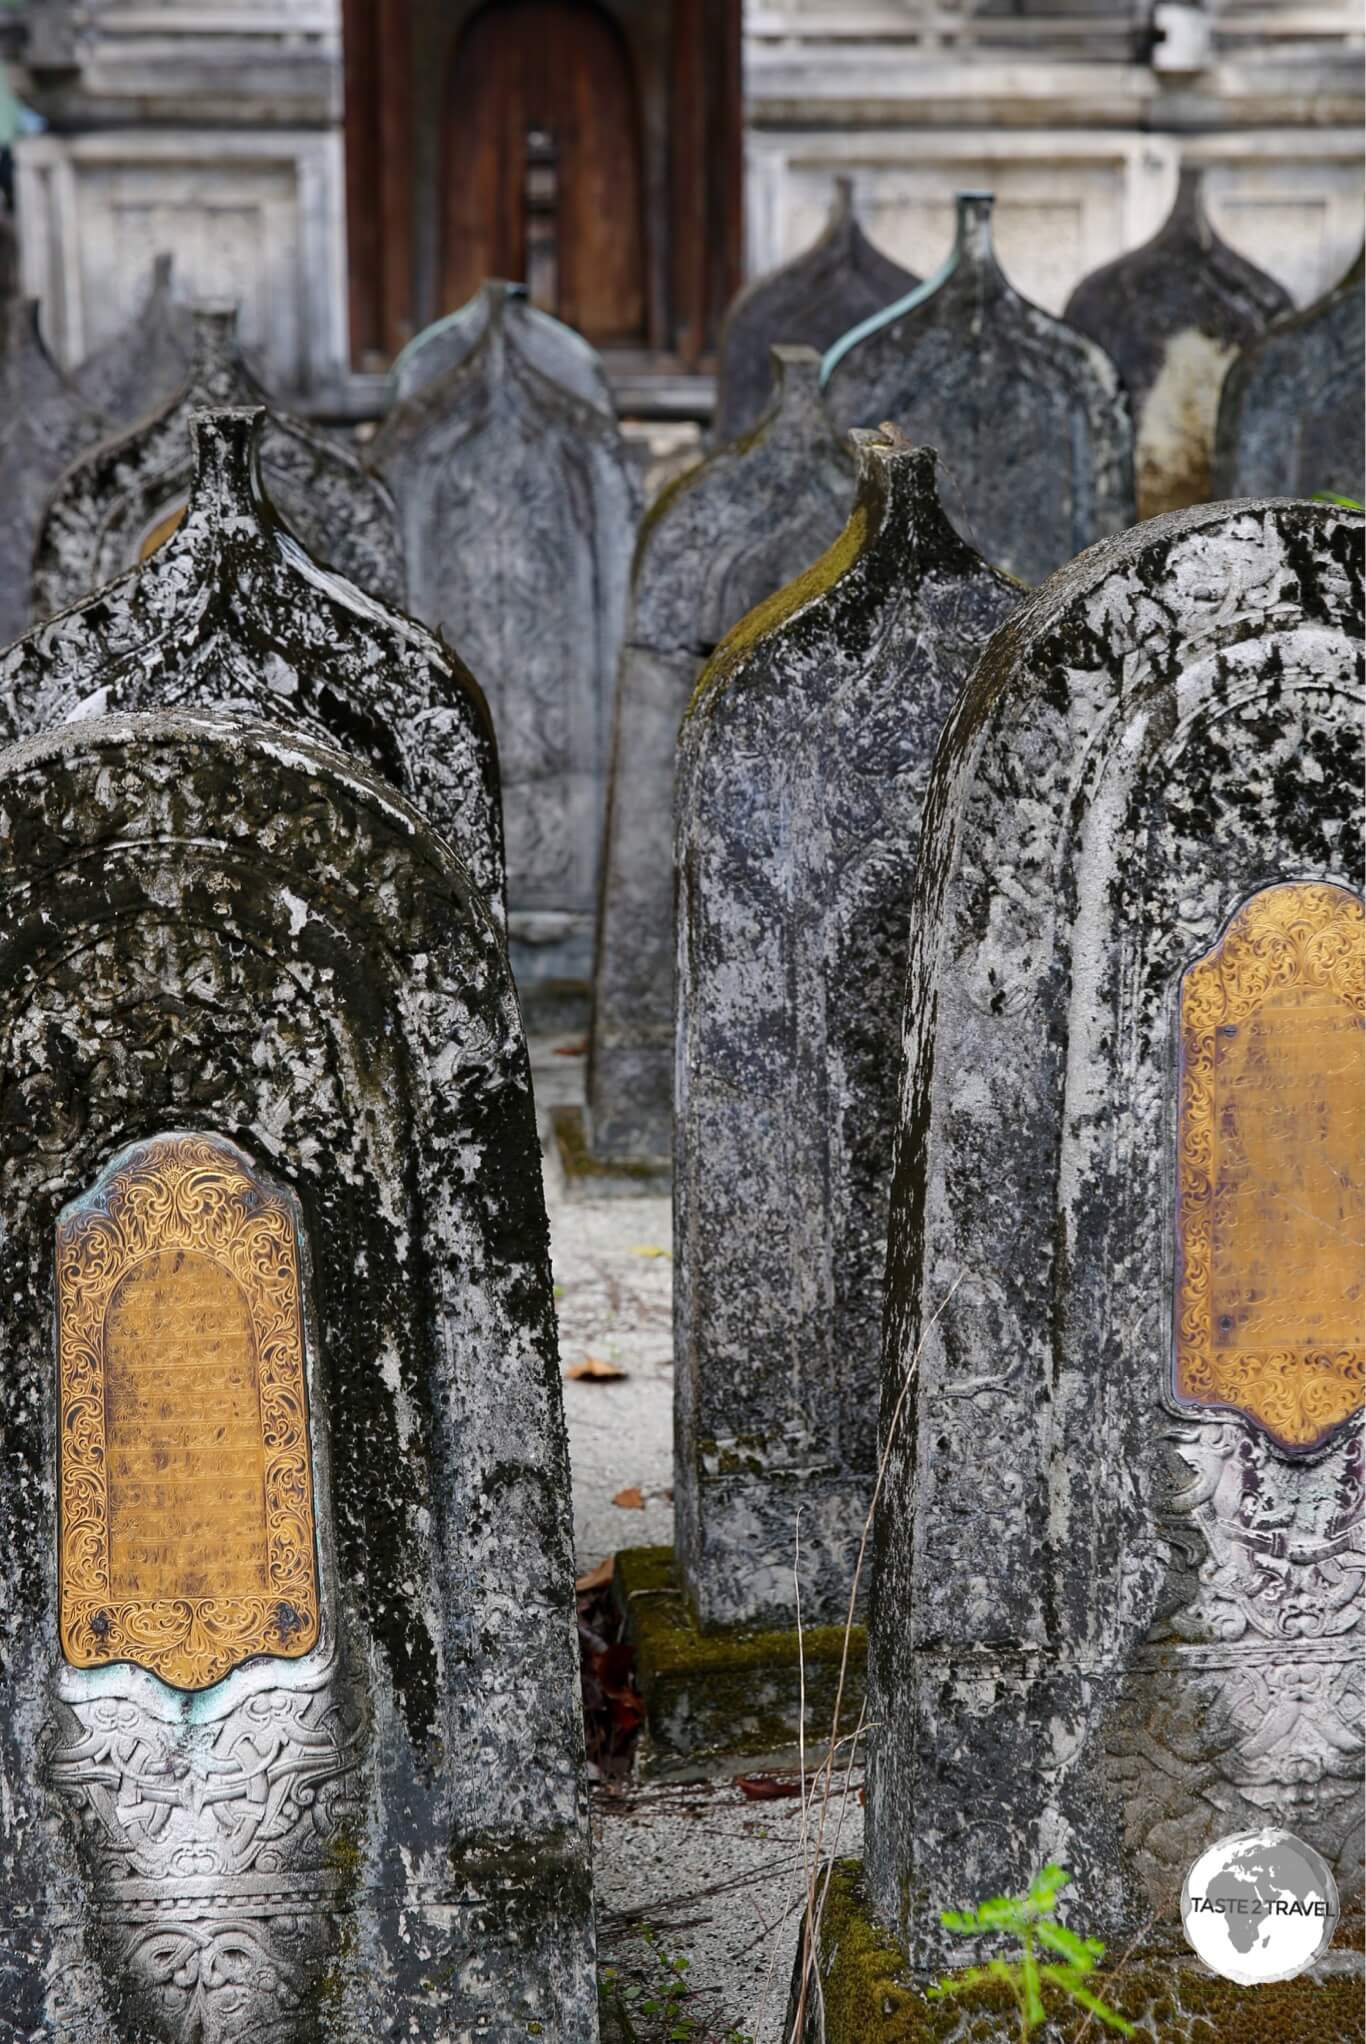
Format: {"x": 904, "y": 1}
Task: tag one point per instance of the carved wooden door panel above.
{"x": 542, "y": 179}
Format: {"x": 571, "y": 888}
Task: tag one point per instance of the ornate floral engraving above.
{"x": 198, "y": 1196}
{"x": 1268, "y": 1298}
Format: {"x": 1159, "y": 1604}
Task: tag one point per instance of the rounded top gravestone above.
{"x": 802, "y": 763}
{"x": 1292, "y": 422}
{"x": 555, "y": 349}
{"x": 44, "y": 422}
{"x": 1171, "y": 315}
{"x": 518, "y": 501}
{"x": 719, "y": 540}
{"x": 1122, "y": 1341}
{"x": 1030, "y": 420}
{"x": 231, "y": 614}
{"x": 144, "y": 364}
{"x": 810, "y": 301}
{"x": 115, "y": 505}
{"x": 253, "y": 1007}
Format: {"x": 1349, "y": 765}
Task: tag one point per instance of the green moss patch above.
{"x": 870, "y": 1998}
{"x": 727, "y": 1692}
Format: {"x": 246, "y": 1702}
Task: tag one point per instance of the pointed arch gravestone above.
{"x": 1291, "y": 417}
{"x": 145, "y": 363}
{"x": 518, "y": 504}
{"x": 1116, "y": 1611}
{"x": 1030, "y": 420}
{"x": 44, "y": 424}
{"x": 841, "y": 279}
{"x": 725, "y": 536}
{"x": 802, "y": 765}
{"x": 116, "y": 504}
{"x": 230, "y": 614}
{"x": 554, "y": 348}
{"x": 289, "y": 1716}
{"x": 1172, "y": 316}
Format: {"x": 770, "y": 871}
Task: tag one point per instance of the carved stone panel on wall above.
{"x": 1270, "y": 1140}
{"x": 186, "y": 1478}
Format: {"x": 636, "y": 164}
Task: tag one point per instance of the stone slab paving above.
{"x": 716, "y": 1877}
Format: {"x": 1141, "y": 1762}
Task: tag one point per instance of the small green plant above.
{"x": 656, "y": 2010}
{"x": 1332, "y": 497}
{"x": 1032, "y": 1921}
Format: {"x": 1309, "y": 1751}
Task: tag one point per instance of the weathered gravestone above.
{"x": 1116, "y": 1610}
{"x": 1291, "y": 416}
{"x": 289, "y": 1719}
{"x": 725, "y": 536}
{"x": 518, "y": 506}
{"x": 552, "y": 347}
{"x": 146, "y": 362}
{"x": 118, "y": 502}
{"x": 802, "y": 767}
{"x": 231, "y": 614}
{"x": 1172, "y": 315}
{"x": 1031, "y": 423}
{"x": 44, "y": 423}
{"x": 810, "y": 301}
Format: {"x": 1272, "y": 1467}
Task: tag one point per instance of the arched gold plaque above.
{"x": 1269, "y": 1214}
{"x": 187, "y": 1531}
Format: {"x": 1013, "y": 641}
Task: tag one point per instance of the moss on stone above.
{"x": 728, "y": 1691}
{"x": 870, "y": 1998}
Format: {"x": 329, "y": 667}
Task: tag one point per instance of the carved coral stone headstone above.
{"x": 1172, "y": 315}
{"x": 802, "y": 766}
{"x": 144, "y": 364}
{"x": 44, "y": 424}
{"x": 115, "y": 505}
{"x": 1031, "y": 424}
{"x": 725, "y": 536}
{"x": 1119, "y": 1570}
{"x": 810, "y": 302}
{"x": 1292, "y": 411}
{"x": 282, "y": 1457}
{"x": 518, "y": 502}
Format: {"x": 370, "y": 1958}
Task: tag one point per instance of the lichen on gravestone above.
{"x": 518, "y": 502}
{"x": 809, "y": 302}
{"x": 1126, "y": 1601}
{"x": 1172, "y": 315}
{"x": 116, "y": 504}
{"x": 231, "y": 944}
{"x": 44, "y": 424}
{"x": 145, "y": 363}
{"x": 1029, "y": 417}
{"x": 802, "y": 767}
{"x": 720, "y": 540}
{"x": 231, "y": 614}
{"x": 1291, "y": 417}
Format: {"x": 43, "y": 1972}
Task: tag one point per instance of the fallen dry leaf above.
{"x": 647, "y": 1249}
{"x": 572, "y": 1049}
{"x": 593, "y": 1370}
{"x": 768, "y": 1788}
{"x": 597, "y": 1578}
{"x": 630, "y": 1499}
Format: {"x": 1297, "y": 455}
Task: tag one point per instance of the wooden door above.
{"x": 542, "y": 170}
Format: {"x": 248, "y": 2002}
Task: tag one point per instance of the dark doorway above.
{"x": 542, "y": 165}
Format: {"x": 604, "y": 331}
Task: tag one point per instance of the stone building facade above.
{"x": 221, "y": 133}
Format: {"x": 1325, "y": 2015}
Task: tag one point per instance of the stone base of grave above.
{"x": 590, "y": 1177}
{"x": 731, "y": 1695}
{"x": 553, "y": 1007}
{"x": 869, "y": 1997}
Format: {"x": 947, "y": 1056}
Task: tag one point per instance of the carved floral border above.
{"x": 1295, "y": 933}
{"x": 193, "y": 1192}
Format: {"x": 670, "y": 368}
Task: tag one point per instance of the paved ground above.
{"x": 698, "y": 1872}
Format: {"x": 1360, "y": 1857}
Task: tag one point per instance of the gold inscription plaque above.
{"x": 187, "y": 1535}
{"x": 1272, "y": 1128}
